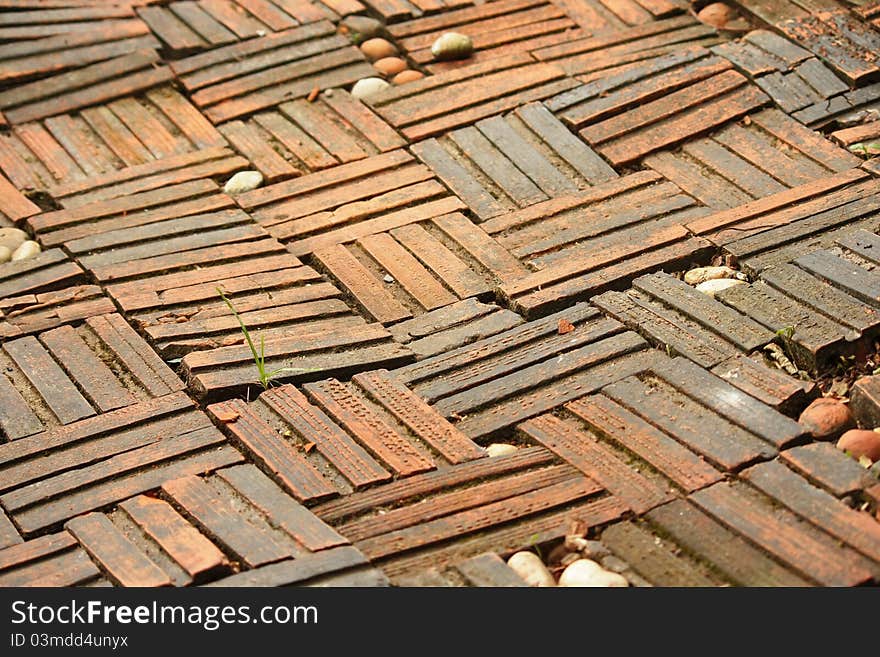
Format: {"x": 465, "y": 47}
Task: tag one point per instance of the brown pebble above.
{"x": 717, "y": 14}
{"x": 389, "y": 65}
{"x": 407, "y": 76}
{"x": 376, "y": 49}
{"x": 826, "y": 418}
{"x": 313, "y": 94}
{"x": 861, "y": 442}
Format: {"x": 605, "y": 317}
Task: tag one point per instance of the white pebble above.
{"x": 12, "y": 238}
{"x": 388, "y": 278}
{"x": 452, "y": 45}
{"x": 529, "y": 566}
{"x": 27, "y": 250}
{"x": 587, "y": 573}
{"x": 500, "y": 449}
{"x": 702, "y": 274}
{"x": 368, "y": 87}
{"x": 714, "y": 286}
{"x": 243, "y": 181}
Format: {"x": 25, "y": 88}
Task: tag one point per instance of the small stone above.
{"x": 243, "y": 181}
{"x": 407, "y": 76}
{"x": 12, "y": 238}
{"x": 368, "y": 87}
{"x": 851, "y": 119}
{"x": 529, "y": 566}
{"x": 717, "y": 14}
{"x": 390, "y": 65}
{"x": 364, "y": 27}
{"x": 452, "y": 45}
{"x": 861, "y": 442}
{"x": 585, "y": 572}
{"x": 5, "y": 254}
{"x": 701, "y": 274}
{"x": 26, "y": 250}
{"x": 595, "y": 550}
{"x": 826, "y": 418}
{"x": 839, "y": 388}
{"x": 501, "y": 449}
{"x": 575, "y": 543}
{"x": 376, "y": 49}
{"x": 388, "y": 278}
{"x": 715, "y": 286}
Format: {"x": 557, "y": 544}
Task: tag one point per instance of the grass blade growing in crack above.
{"x": 259, "y": 358}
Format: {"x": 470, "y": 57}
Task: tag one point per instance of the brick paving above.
{"x": 490, "y": 255}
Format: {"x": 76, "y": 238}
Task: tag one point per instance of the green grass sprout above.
{"x": 259, "y": 357}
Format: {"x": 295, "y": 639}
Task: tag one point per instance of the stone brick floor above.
{"x": 490, "y": 255}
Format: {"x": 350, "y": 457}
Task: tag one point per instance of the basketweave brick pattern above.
{"x": 791, "y": 75}
{"x": 827, "y": 294}
{"x": 672, "y": 107}
{"x": 39, "y": 41}
{"x": 107, "y": 80}
{"x": 466, "y": 326}
{"x": 606, "y": 53}
{"x": 186, "y": 27}
{"x": 774, "y": 229}
{"x": 45, "y": 292}
{"x": 236, "y": 80}
{"x": 506, "y": 163}
{"x": 499, "y": 28}
{"x": 350, "y": 201}
{"x": 429, "y": 265}
{"x": 491, "y": 384}
{"x": 732, "y": 166}
{"x": 431, "y": 106}
{"x": 131, "y": 137}
{"x": 104, "y": 459}
{"x": 302, "y": 137}
{"x": 166, "y": 255}
{"x": 455, "y": 325}
{"x": 67, "y": 374}
{"x": 634, "y": 224}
